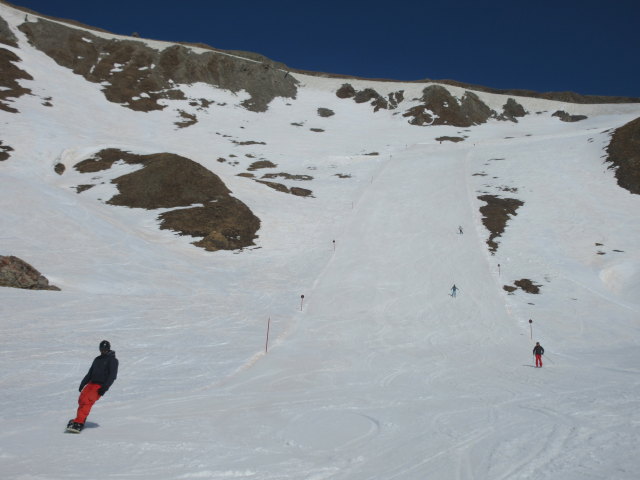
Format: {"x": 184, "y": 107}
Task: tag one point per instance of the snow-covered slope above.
{"x": 377, "y": 373}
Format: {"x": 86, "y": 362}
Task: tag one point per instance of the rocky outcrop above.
{"x": 17, "y": 273}
{"x": 6, "y": 35}
{"x": 10, "y": 73}
{"x": 370, "y": 95}
{"x": 138, "y": 76}
{"x": 512, "y": 110}
{"x": 439, "y": 107}
{"x": 624, "y": 155}
{"x": 169, "y": 181}
{"x": 566, "y": 117}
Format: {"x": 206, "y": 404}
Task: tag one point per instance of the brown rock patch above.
{"x": 624, "y": 155}
{"x": 9, "y": 76}
{"x": 496, "y": 213}
{"x": 17, "y": 273}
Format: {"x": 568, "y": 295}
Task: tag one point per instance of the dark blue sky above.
{"x": 589, "y": 47}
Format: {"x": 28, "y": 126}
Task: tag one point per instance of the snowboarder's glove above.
{"x": 102, "y": 391}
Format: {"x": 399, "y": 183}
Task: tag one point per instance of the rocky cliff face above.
{"x": 138, "y": 76}
{"x": 624, "y": 155}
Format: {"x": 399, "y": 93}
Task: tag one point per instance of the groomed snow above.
{"x": 378, "y": 373}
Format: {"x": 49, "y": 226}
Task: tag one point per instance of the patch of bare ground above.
{"x": 4, "y": 151}
{"x": 525, "y": 285}
{"x": 16, "y": 273}
{"x": 248, "y": 142}
{"x": 496, "y": 214}
{"x": 566, "y": 117}
{"x": 167, "y": 181}
{"x": 9, "y": 76}
{"x": 325, "y": 112}
{"x": 623, "y": 153}
{"x": 317, "y": 130}
{"x": 189, "y": 119}
{"x": 450, "y": 139}
{"x": 297, "y": 191}
{"x": 287, "y": 176}
{"x": 261, "y": 164}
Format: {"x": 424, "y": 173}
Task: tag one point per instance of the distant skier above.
{"x": 538, "y": 351}
{"x": 454, "y": 290}
{"x": 460, "y": 230}
{"x": 95, "y": 384}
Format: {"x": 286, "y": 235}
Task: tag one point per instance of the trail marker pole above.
{"x": 498, "y": 269}
{"x": 334, "y": 245}
{"x": 301, "y": 301}
{"x": 266, "y": 345}
{"x": 531, "y": 328}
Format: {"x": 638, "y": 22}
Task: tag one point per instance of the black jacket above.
{"x": 538, "y": 350}
{"x": 103, "y": 371}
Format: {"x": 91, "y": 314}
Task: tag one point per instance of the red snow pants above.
{"x": 538, "y": 360}
{"x": 88, "y": 397}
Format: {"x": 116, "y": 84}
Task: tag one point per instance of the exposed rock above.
{"x": 565, "y": 117}
{"x": 6, "y": 35}
{"x": 325, "y": 112}
{"x": 370, "y": 95}
{"x": 4, "y": 151}
{"x": 450, "y": 139}
{"x": 624, "y": 155}
{"x": 17, "y": 273}
{"x": 512, "y": 110}
{"x": 261, "y": 164}
{"x": 138, "y": 76}
{"x": 300, "y": 192}
{"x": 224, "y": 224}
{"x": 287, "y": 176}
{"x": 168, "y": 180}
{"x": 346, "y": 91}
{"x": 525, "y": 285}
{"x": 189, "y": 119}
{"x": 496, "y": 213}
{"x": 59, "y": 168}
{"x": 441, "y": 108}
{"x": 9, "y": 76}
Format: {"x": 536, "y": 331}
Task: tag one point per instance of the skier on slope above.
{"x": 538, "y": 351}
{"x": 95, "y": 384}
{"x": 454, "y": 289}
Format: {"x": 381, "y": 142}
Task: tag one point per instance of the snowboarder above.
{"x": 538, "y": 351}
{"x": 460, "y": 230}
{"x": 95, "y": 384}
{"x": 454, "y": 289}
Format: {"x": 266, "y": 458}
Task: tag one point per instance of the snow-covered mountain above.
{"x": 184, "y": 200}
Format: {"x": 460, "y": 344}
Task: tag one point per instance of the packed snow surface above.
{"x": 378, "y": 372}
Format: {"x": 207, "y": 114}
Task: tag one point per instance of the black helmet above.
{"x": 105, "y": 346}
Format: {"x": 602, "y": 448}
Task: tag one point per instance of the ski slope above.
{"x": 378, "y": 373}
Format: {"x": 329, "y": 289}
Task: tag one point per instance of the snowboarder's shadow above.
{"x": 532, "y": 366}
{"x": 91, "y": 425}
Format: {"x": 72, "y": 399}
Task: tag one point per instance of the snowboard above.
{"x": 71, "y": 428}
